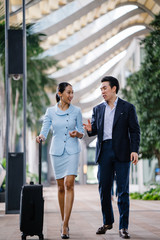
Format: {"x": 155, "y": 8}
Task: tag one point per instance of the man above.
{"x": 118, "y": 137}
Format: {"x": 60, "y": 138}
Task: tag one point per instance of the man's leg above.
{"x": 105, "y": 178}
{"x": 122, "y": 176}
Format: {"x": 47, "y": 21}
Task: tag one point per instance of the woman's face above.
{"x": 67, "y": 95}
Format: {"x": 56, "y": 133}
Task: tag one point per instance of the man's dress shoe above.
{"x": 103, "y": 229}
{"x": 123, "y": 233}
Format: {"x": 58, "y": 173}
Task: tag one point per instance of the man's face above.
{"x": 107, "y": 92}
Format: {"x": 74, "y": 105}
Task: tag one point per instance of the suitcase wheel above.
{"x": 23, "y": 237}
{"x": 41, "y": 237}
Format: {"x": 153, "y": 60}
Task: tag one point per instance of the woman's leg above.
{"x": 61, "y": 196}
{"x": 69, "y": 198}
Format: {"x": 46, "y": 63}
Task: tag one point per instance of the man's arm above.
{"x": 134, "y": 130}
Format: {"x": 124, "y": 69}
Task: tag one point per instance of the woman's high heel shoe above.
{"x": 65, "y": 236}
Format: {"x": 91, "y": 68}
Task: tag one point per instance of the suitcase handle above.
{"x": 40, "y": 160}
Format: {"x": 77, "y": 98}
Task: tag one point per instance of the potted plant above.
{"x": 2, "y": 180}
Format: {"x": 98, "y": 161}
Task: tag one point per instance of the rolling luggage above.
{"x": 32, "y": 207}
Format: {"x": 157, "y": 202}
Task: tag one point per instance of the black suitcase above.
{"x": 32, "y": 207}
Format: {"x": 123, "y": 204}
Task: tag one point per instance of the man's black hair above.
{"x": 112, "y": 82}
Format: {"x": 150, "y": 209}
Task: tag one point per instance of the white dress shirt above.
{"x": 108, "y": 120}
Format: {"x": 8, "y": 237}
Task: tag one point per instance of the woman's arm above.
{"x": 45, "y": 127}
{"x": 79, "y": 133}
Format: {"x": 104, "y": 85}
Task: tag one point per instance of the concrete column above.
{"x": 83, "y": 163}
{"x": 50, "y": 176}
{"x": 32, "y": 152}
{"x": 140, "y": 176}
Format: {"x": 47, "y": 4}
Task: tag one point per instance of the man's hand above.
{"x": 88, "y": 126}
{"x": 134, "y": 158}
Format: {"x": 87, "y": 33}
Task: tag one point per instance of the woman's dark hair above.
{"x": 61, "y": 87}
{"x": 112, "y": 82}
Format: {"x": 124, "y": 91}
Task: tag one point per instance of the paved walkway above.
{"x": 86, "y": 218}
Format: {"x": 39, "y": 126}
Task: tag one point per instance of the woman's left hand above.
{"x": 73, "y": 134}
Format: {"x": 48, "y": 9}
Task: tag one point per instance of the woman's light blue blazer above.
{"x": 62, "y": 123}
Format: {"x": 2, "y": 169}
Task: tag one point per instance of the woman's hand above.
{"x": 75, "y": 133}
{"x": 88, "y": 126}
{"x": 40, "y": 137}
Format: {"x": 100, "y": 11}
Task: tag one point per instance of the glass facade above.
{"x": 142, "y": 54}
{"x": 150, "y": 171}
{"x": 92, "y": 166}
{"x": 133, "y": 174}
{"x": 130, "y": 66}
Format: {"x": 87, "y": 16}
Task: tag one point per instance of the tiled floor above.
{"x": 86, "y": 218}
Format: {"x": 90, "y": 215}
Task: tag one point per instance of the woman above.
{"x": 66, "y": 122}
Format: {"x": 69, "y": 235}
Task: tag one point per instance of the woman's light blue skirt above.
{"x": 66, "y": 164}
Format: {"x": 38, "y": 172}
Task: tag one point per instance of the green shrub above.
{"x": 152, "y": 194}
{"x": 135, "y": 195}
{"x": 4, "y": 181}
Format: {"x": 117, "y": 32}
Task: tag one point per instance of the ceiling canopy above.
{"x": 88, "y": 38}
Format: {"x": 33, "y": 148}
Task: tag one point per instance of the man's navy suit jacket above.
{"x": 125, "y": 132}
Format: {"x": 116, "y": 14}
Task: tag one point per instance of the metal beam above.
{"x": 8, "y": 208}
{"x": 69, "y": 46}
{"x": 7, "y": 83}
{"x": 24, "y": 91}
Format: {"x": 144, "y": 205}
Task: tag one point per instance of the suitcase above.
{"x": 32, "y": 207}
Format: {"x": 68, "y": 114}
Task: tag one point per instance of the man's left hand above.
{"x": 134, "y": 158}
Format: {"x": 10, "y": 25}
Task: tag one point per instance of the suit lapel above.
{"x": 119, "y": 110}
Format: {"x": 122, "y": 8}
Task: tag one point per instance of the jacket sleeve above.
{"x": 134, "y": 130}
{"x": 93, "y": 123}
{"x": 47, "y": 121}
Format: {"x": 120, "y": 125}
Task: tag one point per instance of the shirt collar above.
{"x": 115, "y": 103}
